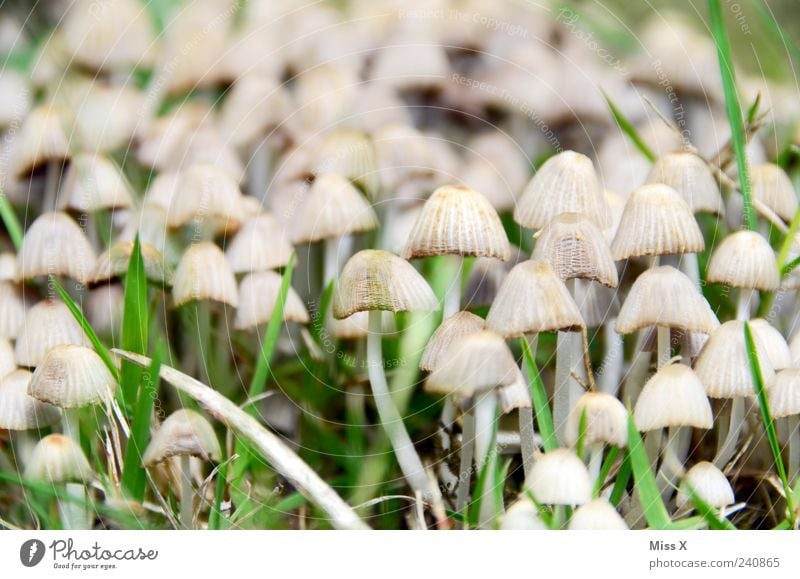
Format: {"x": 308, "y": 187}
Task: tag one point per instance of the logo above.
{"x": 32, "y": 552}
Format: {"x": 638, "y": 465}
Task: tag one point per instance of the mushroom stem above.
{"x": 446, "y": 422}
{"x": 186, "y": 493}
{"x": 526, "y": 430}
{"x": 613, "y": 360}
{"x": 71, "y": 425}
{"x": 638, "y": 369}
{"x": 672, "y": 464}
{"x": 74, "y": 515}
{"x": 567, "y": 390}
{"x": 466, "y": 454}
{"x": 331, "y": 266}
{"x": 407, "y": 457}
{"x": 746, "y": 297}
{"x": 664, "y": 346}
{"x": 485, "y": 411}
{"x": 595, "y": 460}
{"x": 793, "y": 423}
{"x": 690, "y": 267}
{"x": 652, "y": 446}
{"x": 452, "y": 299}
{"x": 258, "y": 170}
{"x": 727, "y": 446}
{"x": 52, "y": 180}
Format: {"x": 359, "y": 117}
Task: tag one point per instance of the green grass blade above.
{"x": 629, "y": 129}
{"x": 101, "y": 350}
{"x": 541, "y": 405}
{"x": 11, "y": 222}
{"x": 787, "y": 269}
{"x": 579, "y": 445}
{"x": 654, "y": 510}
{"x": 134, "y": 324}
{"x": 604, "y": 470}
{"x": 708, "y": 512}
{"x": 621, "y": 482}
{"x": 766, "y": 416}
{"x": 733, "y": 107}
{"x": 689, "y": 524}
{"x": 791, "y": 47}
{"x": 134, "y": 477}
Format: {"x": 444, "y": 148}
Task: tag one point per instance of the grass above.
{"x": 541, "y": 405}
{"x": 629, "y": 129}
{"x": 645, "y": 482}
{"x": 9, "y": 217}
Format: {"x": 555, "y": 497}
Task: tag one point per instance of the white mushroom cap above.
{"x": 12, "y": 310}
{"x": 773, "y": 187}
{"x": 260, "y": 244}
{"x": 783, "y": 393}
{"x": 19, "y": 410}
{"x": 775, "y": 345}
{"x": 690, "y": 176}
{"x": 709, "y": 483}
{"x": 54, "y": 244}
{"x": 559, "y": 477}
{"x": 597, "y": 515}
{"x": 745, "y": 260}
{"x": 674, "y": 396}
{"x": 183, "y": 433}
{"x": 203, "y": 274}
{"x": 606, "y": 420}
{"x": 258, "y": 295}
{"x": 522, "y": 516}
{"x": 72, "y": 377}
{"x": 47, "y": 324}
{"x": 7, "y": 362}
{"x": 56, "y": 459}
{"x": 450, "y": 331}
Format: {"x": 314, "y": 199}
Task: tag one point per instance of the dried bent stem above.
{"x": 285, "y": 462}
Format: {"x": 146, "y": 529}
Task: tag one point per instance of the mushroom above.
{"x": 258, "y": 295}
{"x": 113, "y": 263}
{"x": 773, "y": 187}
{"x": 376, "y": 281}
{"x": 260, "y": 244}
{"x": 606, "y": 424}
{"x": 709, "y": 483}
{"x": 783, "y": 394}
{"x": 210, "y": 197}
{"x": 183, "y": 434}
{"x": 93, "y": 183}
{"x": 597, "y": 515}
{"x": 522, "y": 516}
{"x": 559, "y": 478}
{"x": 485, "y": 278}
{"x": 47, "y": 324}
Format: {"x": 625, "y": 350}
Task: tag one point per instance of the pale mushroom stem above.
{"x": 595, "y": 460}
{"x": 485, "y": 411}
{"x": 452, "y": 299}
{"x": 70, "y": 424}
{"x": 407, "y": 457}
{"x": 793, "y": 423}
{"x": 74, "y": 516}
{"x": 613, "y": 360}
{"x": 746, "y": 297}
{"x": 727, "y": 446}
{"x": 672, "y": 464}
{"x": 526, "y": 430}
{"x": 664, "y": 346}
{"x": 186, "y": 493}
{"x": 691, "y": 268}
{"x": 466, "y": 454}
{"x": 52, "y": 179}
{"x": 331, "y": 264}
{"x": 258, "y": 170}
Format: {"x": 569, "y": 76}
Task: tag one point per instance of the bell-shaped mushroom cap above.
{"x": 203, "y": 274}
{"x": 559, "y": 477}
{"x": 450, "y": 331}
{"x": 533, "y": 299}
{"x": 72, "y": 377}
{"x": 353, "y": 327}
{"x": 523, "y": 515}
{"x": 597, "y": 303}
{"x": 775, "y": 345}
{"x": 207, "y": 192}
{"x": 772, "y": 186}
{"x": 664, "y": 296}
{"x": 784, "y": 393}
{"x": 515, "y": 395}
{"x": 419, "y": 65}
{"x": 597, "y": 515}
{"x": 656, "y": 221}
{"x": 20, "y": 411}
{"x": 606, "y": 420}
{"x": 106, "y": 116}
{"x": 115, "y": 260}
{"x": 93, "y": 183}
{"x": 690, "y": 176}
{"x": 378, "y": 280}
{"x": 565, "y": 183}
{"x": 477, "y": 362}
{"x": 105, "y": 307}
{"x": 258, "y": 294}
{"x": 8, "y": 267}
{"x": 745, "y": 260}
{"x": 333, "y": 208}
{"x": 42, "y": 138}
{"x": 486, "y": 277}
{"x": 183, "y": 433}
{"x": 12, "y": 310}
{"x": 57, "y": 459}
{"x": 162, "y": 190}
{"x": 7, "y": 362}
{"x": 403, "y": 153}
{"x": 259, "y": 245}
{"x": 576, "y": 248}
{"x": 458, "y": 220}
{"x": 47, "y": 324}
{"x": 674, "y": 396}
{"x": 709, "y": 483}
{"x": 723, "y": 365}
{"x": 55, "y": 245}
{"x": 255, "y": 104}
{"x": 350, "y": 154}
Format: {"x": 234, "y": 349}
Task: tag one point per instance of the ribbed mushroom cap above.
{"x": 784, "y": 393}
{"x": 203, "y": 274}
{"x": 576, "y": 248}
{"x": 105, "y": 307}
{"x": 47, "y": 324}
{"x": 656, "y": 221}
{"x": 258, "y": 294}
{"x": 350, "y": 154}
{"x": 7, "y": 362}
{"x": 709, "y": 483}
{"x": 259, "y": 245}
{"x": 93, "y": 183}
{"x": 255, "y": 104}
{"x": 477, "y": 362}
{"x": 745, "y": 260}
{"x": 690, "y": 176}
{"x": 597, "y": 303}
{"x": 55, "y": 245}
{"x": 674, "y": 396}
{"x": 775, "y": 345}
{"x": 115, "y": 260}
{"x": 183, "y": 433}
{"x": 106, "y": 116}
{"x": 57, "y": 459}
{"x": 353, "y": 327}
{"x": 72, "y": 377}
{"x": 450, "y": 331}
{"x": 20, "y": 411}
{"x": 664, "y": 296}
{"x": 522, "y": 516}
{"x": 597, "y": 515}
{"x": 565, "y": 183}
{"x": 8, "y": 267}
{"x": 207, "y": 192}
{"x": 559, "y": 477}
{"x": 515, "y": 395}
{"x": 723, "y": 365}
{"x": 378, "y": 280}
{"x": 606, "y": 420}
{"x": 486, "y": 277}
{"x": 162, "y": 190}
{"x": 772, "y": 186}
{"x": 496, "y": 166}
{"x": 42, "y": 138}
{"x": 458, "y": 220}
{"x": 333, "y": 208}
{"x": 12, "y": 310}
{"x": 533, "y": 299}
